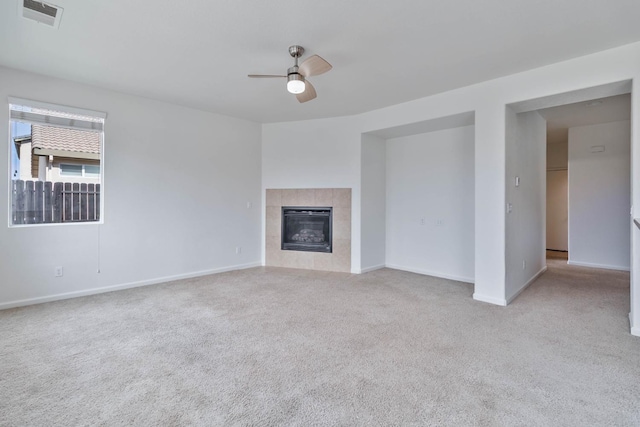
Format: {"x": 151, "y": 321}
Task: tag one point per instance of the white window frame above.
{"x": 21, "y": 110}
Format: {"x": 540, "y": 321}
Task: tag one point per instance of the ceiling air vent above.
{"x": 41, "y": 12}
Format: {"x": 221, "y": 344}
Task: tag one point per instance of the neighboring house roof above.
{"x": 63, "y": 142}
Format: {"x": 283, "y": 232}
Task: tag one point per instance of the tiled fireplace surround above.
{"x": 339, "y": 199}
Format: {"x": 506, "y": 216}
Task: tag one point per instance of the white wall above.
{"x": 322, "y": 153}
{"x": 176, "y": 186}
{"x": 525, "y": 225}
{"x": 430, "y": 177}
{"x": 373, "y": 203}
{"x": 599, "y": 195}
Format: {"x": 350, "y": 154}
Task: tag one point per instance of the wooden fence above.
{"x": 43, "y": 202}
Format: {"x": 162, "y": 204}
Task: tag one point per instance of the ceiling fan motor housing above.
{"x": 294, "y": 71}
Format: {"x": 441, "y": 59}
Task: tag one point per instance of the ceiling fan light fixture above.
{"x": 296, "y": 76}
{"x": 295, "y": 83}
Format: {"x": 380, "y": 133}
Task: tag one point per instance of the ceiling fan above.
{"x": 297, "y": 82}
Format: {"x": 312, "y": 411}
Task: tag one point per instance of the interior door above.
{"x": 557, "y": 210}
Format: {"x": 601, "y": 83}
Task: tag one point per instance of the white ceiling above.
{"x": 592, "y": 112}
{"x": 197, "y": 53}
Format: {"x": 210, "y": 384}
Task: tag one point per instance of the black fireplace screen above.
{"x": 306, "y": 229}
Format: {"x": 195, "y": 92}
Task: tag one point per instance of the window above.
{"x": 71, "y": 170}
{"x": 56, "y": 158}
{"x": 86, "y": 171}
{"x": 92, "y": 171}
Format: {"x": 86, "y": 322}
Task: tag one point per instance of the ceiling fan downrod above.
{"x": 295, "y": 81}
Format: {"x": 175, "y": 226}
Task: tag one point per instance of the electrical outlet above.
{"x": 249, "y": 205}
{"x": 439, "y": 222}
{"x": 422, "y": 221}
{"x": 57, "y": 272}
{"x": 238, "y": 250}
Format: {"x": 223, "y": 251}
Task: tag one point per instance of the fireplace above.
{"x": 306, "y": 229}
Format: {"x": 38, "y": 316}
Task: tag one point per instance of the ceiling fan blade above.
{"x": 313, "y": 66}
{"x": 308, "y": 94}
{"x": 263, "y": 76}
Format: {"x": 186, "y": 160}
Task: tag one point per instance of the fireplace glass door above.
{"x": 306, "y": 229}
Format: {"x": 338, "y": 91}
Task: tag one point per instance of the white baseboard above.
{"x": 490, "y": 300}
{"x": 604, "y": 266}
{"x": 526, "y": 285}
{"x": 94, "y": 291}
{"x": 373, "y": 268}
{"x": 431, "y": 273}
{"x": 634, "y": 329}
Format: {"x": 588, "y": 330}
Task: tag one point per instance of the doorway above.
{"x": 596, "y": 128}
{"x": 588, "y": 182}
{"x": 557, "y": 214}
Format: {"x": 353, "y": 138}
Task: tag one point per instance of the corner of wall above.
{"x": 490, "y": 300}
{"x": 526, "y": 285}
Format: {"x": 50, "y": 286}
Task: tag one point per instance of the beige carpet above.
{"x": 293, "y": 347}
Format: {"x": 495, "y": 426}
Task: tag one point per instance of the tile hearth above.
{"x": 339, "y": 199}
